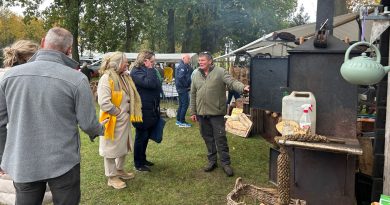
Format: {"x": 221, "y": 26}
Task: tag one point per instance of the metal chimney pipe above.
{"x": 325, "y": 10}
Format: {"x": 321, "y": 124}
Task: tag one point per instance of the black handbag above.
{"x": 157, "y": 132}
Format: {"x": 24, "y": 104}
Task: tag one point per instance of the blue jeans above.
{"x": 183, "y": 106}
{"x": 140, "y": 145}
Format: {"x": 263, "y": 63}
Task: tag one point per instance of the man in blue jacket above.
{"x": 183, "y": 84}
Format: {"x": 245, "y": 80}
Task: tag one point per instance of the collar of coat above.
{"x": 203, "y": 73}
{"x": 54, "y": 56}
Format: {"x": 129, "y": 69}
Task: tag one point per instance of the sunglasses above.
{"x": 206, "y": 53}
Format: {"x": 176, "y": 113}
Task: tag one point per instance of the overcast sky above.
{"x": 310, "y": 8}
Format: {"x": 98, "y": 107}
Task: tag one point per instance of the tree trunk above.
{"x": 209, "y": 32}
{"x": 187, "y": 46}
{"x": 127, "y": 47}
{"x": 214, "y": 31}
{"x": 153, "y": 42}
{"x": 72, "y": 24}
{"x": 204, "y": 40}
{"x": 171, "y": 31}
{"x": 81, "y": 49}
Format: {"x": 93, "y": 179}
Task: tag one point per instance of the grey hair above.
{"x": 58, "y": 39}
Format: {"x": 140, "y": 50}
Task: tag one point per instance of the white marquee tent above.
{"x": 162, "y": 57}
{"x": 343, "y": 26}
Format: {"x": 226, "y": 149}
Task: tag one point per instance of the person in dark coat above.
{"x": 87, "y": 72}
{"x": 149, "y": 87}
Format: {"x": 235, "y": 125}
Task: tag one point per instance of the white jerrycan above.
{"x": 292, "y": 107}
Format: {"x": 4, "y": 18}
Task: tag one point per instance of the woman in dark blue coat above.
{"x": 149, "y": 87}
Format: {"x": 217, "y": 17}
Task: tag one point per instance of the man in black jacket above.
{"x": 183, "y": 83}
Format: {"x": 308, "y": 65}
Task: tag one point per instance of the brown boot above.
{"x": 210, "y": 167}
{"x": 228, "y": 170}
{"x": 123, "y": 175}
{"x": 116, "y": 183}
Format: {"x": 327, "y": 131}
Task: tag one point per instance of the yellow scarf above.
{"x": 117, "y": 84}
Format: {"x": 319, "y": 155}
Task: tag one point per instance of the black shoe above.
{"x": 210, "y": 167}
{"x": 143, "y": 169}
{"x": 147, "y": 163}
{"x": 228, "y": 170}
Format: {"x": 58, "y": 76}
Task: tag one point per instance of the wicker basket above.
{"x": 247, "y": 193}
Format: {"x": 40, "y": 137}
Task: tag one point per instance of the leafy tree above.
{"x": 156, "y": 31}
{"x": 186, "y": 46}
{"x": 163, "y": 25}
{"x": 10, "y": 27}
{"x": 165, "y": 10}
{"x": 112, "y": 25}
{"x": 65, "y": 10}
{"x": 300, "y": 18}
{"x": 103, "y": 30}
{"x": 171, "y": 30}
{"x": 13, "y": 28}
{"x": 238, "y": 22}
{"x": 354, "y": 5}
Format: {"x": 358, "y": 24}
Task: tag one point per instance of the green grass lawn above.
{"x": 177, "y": 176}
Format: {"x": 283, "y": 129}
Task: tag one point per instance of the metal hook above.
{"x": 323, "y": 24}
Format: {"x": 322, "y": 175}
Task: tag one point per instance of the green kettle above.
{"x": 363, "y": 70}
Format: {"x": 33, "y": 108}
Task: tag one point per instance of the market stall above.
{"x": 319, "y": 169}
{"x": 169, "y": 90}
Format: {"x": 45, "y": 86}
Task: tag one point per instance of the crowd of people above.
{"x": 44, "y": 101}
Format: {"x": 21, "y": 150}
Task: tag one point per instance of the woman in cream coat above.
{"x": 119, "y": 102}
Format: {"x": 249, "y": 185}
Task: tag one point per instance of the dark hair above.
{"x": 206, "y": 54}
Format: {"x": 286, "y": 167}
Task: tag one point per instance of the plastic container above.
{"x": 292, "y": 107}
{"x": 304, "y": 120}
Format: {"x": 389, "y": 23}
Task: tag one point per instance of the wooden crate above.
{"x": 257, "y": 117}
{"x": 240, "y": 126}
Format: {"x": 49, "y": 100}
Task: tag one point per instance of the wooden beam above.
{"x": 386, "y": 171}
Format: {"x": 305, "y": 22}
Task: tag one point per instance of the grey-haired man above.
{"x": 44, "y": 102}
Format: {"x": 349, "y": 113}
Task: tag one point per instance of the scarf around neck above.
{"x": 119, "y": 83}
{"x": 125, "y": 83}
